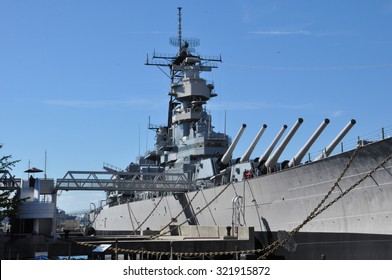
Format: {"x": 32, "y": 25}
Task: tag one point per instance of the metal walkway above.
{"x": 123, "y": 181}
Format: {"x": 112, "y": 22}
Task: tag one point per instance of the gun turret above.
{"x": 336, "y": 141}
{"x": 272, "y": 160}
{"x": 226, "y": 157}
{"x": 252, "y": 146}
{"x": 301, "y": 153}
{"x": 269, "y": 150}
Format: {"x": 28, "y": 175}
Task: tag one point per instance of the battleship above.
{"x": 336, "y": 206}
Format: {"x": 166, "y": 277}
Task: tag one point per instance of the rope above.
{"x": 175, "y": 218}
{"x": 130, "y": 217}
{"x": 153, "y": 210}
{"x": 201, "y": 210}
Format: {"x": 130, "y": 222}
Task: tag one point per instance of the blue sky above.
{"x": 73, "y": 80}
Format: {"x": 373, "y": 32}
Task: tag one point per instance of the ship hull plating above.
{"x": 359, "y": 225}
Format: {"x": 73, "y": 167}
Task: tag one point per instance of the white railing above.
{"x": 350, "y": 144}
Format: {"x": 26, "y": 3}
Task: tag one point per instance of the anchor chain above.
{"x": 312, "y": 214}
{"x": 278, "y": 243}
{"x": 178, "y": 254}
{"x": 355, "y": 185}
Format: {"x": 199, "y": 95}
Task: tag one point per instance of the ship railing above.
{"x": 217, "y": 136}
{"x": 112, "y": 167}
{"x": 163, "y": 56}
{"x": 350, "y": 144}
{"x": 211, "y": 57}
{"x": 8, "y": 182}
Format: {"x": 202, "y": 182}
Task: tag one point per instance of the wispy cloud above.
{"x": 78, "y": 103}
{"x": 336, "y": 114}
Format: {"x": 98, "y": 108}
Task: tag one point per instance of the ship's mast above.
{"x": 188, "y": 90}
{"x": 176, "y": 62}
{"x": 179, "y": 29}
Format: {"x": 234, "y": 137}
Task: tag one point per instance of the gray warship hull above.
{"x": 341, "y": 201}
{"x": 356, "y": 225}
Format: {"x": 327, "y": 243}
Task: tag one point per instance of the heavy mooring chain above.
{"x": 178, "y": 254}
{"x": 354, "y": 186}
{"x": 312, "y": 214}
{"x": 275, "y": 245}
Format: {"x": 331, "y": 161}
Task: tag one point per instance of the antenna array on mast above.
{"x": 179, "y": 41}
{"x": 179, "y": 28}
{"x": 185, "y": 47}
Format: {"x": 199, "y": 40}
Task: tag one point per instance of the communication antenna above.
{"x": 179, "y": 41}
{"x": 179, "y": 27}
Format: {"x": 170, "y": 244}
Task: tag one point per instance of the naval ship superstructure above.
{"x": 341, "y": 201}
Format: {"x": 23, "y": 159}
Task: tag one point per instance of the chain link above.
{"x": 278, "y": 243}
{"x": 178, "y": 254}
{"x": 312, "y": 214}
{"x": 317, "y": 211}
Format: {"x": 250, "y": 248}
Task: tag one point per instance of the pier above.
{"x": 185, "y": 242}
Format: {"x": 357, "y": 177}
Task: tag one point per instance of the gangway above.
{"x": 124, "y": 181}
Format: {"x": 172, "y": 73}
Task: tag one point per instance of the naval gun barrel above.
{"x": 245, "y": 157}
{"x": 301, "y": 153}
{"x": 226, "y": 157}
{"x": 337, "y": 139}
{"x": 272, "y": 160}
{"x": 269, "y": 150}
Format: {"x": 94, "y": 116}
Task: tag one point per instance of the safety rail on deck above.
{"x": 349, "y": 144}
{"x": 8, "y": 182}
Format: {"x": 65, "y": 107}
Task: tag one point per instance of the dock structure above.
{"x": 186, "y": 242}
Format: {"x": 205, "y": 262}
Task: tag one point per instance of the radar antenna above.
{"x": 186, "y": 48}
{"x": 179, "y": 27}
{"x": 181, "y": 42}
